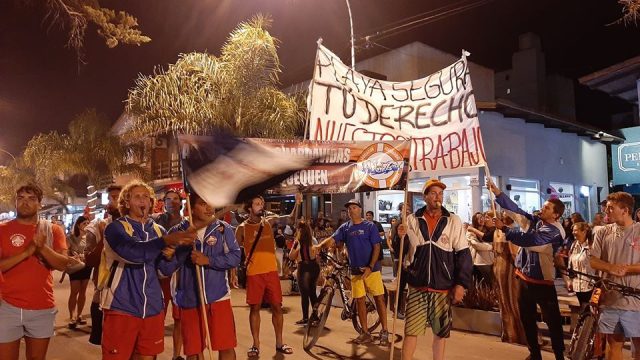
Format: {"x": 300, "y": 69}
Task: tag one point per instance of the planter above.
{"x": 485, "y": 322}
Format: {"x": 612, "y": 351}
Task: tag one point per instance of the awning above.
{"x": 510, "y": 109}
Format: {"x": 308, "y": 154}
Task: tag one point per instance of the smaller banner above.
{"x": 344, "y": 167}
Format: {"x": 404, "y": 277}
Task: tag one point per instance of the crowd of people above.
{"x": 140, "y": 263}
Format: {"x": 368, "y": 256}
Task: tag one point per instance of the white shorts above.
{"x": 16, "y": 323}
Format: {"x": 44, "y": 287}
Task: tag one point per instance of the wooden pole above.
{"x": 399, "y": 272}
{"x": 203, "y": 308}
{"x": 491, "y": 195}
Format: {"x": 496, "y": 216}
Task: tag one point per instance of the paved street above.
{"x": 73, "y": 344}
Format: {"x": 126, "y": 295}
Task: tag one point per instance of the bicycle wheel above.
{"x": 312, "y": 333}
{"x": 373, "y": 319}
{"x": 582, "y": 339}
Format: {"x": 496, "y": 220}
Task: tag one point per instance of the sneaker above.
{"x": 400, "y": 316}
{"x": 384, "y": 338}
{"x": 314, "y": 320}
{"x": 363, "y": 338}
{"x": 81, "y": 321}
{"x": 302, "y": 322}
{"x": 72, "y": 325}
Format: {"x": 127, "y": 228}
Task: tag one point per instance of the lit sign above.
{"x": 626, "y": 158}
{"x": 629, "y": 157}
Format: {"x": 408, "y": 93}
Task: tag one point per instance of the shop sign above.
{"x": 626, "y": 158}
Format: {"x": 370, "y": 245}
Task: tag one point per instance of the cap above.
{"x": 288, "y": 231}
{"x": 353, "y": 202}
{"x": 433, "y": 182}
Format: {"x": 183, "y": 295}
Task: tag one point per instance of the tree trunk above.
{"x": 508, "y": 290}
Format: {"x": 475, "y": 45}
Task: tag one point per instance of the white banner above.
{"x": 438, "y": 112}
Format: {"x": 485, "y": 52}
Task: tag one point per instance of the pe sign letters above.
{"x": 438, "y": 113}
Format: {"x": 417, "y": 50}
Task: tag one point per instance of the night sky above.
{"x": 42, "y": 85}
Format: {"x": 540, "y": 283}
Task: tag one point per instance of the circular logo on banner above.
{"x": 381, "y": 165}
{"x": 17, "y": 240}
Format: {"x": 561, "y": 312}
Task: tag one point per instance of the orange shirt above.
{"x": 29, "y": 284}
{"x": 264, "y": 256}
{"x": 432, "y": 222}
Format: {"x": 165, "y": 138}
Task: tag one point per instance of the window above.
{"x": 564, "y": 192}
{"x": 457, "y": 196}
{"x": 525, "y": 193}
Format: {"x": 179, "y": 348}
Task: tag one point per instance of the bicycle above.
{"x": 337, "y": 275}
{"x": 585, "y": 342}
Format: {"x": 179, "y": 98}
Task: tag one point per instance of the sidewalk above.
{"x": 73, "y": 344}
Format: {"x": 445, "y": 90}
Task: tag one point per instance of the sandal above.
{"x": 285, "y": 349}
{"x": 253, "y": 352}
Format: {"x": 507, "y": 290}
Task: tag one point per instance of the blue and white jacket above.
{"x": 221, "y": 247}
{"x": 538, "y": 243}
{"x": 441, "y": 260}
{"x": 128, "y": 274}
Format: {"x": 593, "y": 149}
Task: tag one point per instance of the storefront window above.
{"x": 564, "y": 192}
{"x": 525, "y": 193}
{"x": 457, "y": 196}
{"x": 387, "y": 206}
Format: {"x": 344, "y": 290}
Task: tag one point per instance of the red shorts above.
{"x": 222, "y": 328}
{"x": 264, "y": 287}
{"x": 124, "y": 334}
{"x": 165, "y": 285}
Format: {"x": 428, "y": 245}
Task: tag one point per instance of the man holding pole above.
{"x": 216, "y": 251}
{"x": 364, "y": 246}
{"x": 131, "y": 294}
{"x": 263, "y": 282}
{"x": 439, "y": 271}
{"x": 535, "y": 269}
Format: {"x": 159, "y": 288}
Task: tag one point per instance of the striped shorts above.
{"x": 427, "y": 307}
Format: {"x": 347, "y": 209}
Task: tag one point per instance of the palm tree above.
{"x": 88, "y": 149}
{"x": 236, "y": 91}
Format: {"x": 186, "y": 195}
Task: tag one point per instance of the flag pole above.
{"x": 200, "y": 293}
{"x": 198, "y": 267}
{"x": 400, "y": 260}
{"x": 491, "y": 195}
{"x": 309, "y": 99}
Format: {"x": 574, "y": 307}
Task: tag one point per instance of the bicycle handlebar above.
{"x": 332, "y": 260}
{"x": 608, "y": 284}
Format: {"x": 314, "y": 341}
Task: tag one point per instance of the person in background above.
{"x": 304, "y": 254}
{"x": 598, "y": 220}
{"x": 637, "y": 217}
{"x": 579, "y": 261}
{"x": 95, "y": 237}
{"x": 169, "y": 218}
{"x": 481, "y": 250}
{"x": 77, "y": 245}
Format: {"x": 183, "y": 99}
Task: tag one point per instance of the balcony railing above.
{"x": 167, "y": 170}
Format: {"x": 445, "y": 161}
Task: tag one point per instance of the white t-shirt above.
{"x": 616, "y": 245}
